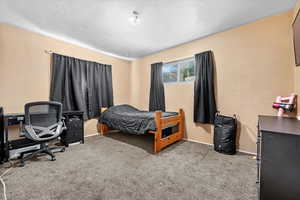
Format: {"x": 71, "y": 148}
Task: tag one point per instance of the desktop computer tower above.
{"x": 74, "y": 132}
{"x": 2, "y": 152}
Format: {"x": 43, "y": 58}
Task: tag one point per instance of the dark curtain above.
{"x": 81, "y": 85}
{"x": 157, "y": 93}
{"x": 204, "y": 95}
{"x": 100, "y": 89}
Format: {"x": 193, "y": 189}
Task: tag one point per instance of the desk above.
{"x": 12, "y": 119}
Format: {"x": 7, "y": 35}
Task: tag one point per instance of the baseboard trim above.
{"x": 247, "y": 152}
{"x": 190, "y": 140}
{"x": 91, "y": 135}
{"x": 209, "y": 144}
{"x": 98, "y": 134}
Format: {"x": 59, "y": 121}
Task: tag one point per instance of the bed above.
{"x": 128, "y": 119}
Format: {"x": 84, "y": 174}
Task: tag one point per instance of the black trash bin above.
{"x": 225, "y": 129}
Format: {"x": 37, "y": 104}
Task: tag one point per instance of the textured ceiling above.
{"x": 104, "y": 25}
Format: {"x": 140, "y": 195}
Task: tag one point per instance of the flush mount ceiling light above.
{"x": 134, "y": 19}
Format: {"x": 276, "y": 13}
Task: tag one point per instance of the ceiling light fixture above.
{"x": 135, "y": 20}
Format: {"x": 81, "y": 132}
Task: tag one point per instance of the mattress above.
{"x": 131, "y": 120}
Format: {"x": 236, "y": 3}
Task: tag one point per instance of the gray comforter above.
{"x": 130, "y": 120}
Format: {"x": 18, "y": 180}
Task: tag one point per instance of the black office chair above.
{"x": 43, "y": 123}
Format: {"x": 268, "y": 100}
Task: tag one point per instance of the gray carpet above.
{"x": 123, "y": 167}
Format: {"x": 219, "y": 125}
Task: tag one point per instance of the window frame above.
{"x": 178, "y": 62}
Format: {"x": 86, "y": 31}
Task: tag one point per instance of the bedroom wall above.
{"x": 253, "y": 66}
{"x": 25, "y": 69}
{"x": 296, "y": 69}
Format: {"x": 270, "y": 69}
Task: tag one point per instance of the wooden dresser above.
{"x": 278, "y": 158}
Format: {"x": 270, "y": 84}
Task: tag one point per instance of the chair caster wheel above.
{"x": 53, "y": 159}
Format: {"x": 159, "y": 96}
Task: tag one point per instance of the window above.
{"x": 179, "y": 71}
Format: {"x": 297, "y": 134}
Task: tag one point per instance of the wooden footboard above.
{"x": 161, "y": 123}
{"x": 102, "y": 128}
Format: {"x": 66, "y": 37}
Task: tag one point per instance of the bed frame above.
{"x": 161, "y": 123}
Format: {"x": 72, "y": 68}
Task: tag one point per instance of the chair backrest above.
{"x": 43, "y": 120}
{"x": 43, "y": 113}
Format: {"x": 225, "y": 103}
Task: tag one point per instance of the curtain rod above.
{"x": 49, "y": 51}
{"x": 182, "y": 59}
{"x": 179, "y": 60}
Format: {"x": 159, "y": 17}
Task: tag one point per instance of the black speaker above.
{"x": 75, "y": 128}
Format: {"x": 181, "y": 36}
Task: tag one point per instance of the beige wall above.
{"x": 25, "y": 69}
{"x": 296, "y": 69}
{"x": 253, "y": 66}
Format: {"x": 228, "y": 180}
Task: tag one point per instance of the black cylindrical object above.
{"x": 225, "y": 134}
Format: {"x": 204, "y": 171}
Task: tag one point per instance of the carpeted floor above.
{"x": 123, "y": 167}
